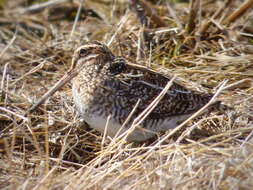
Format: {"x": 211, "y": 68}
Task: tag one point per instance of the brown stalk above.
{"x": 147, "y": 11}
{"x": 217, "y": 14}
{"x": 194, "y": 12}
{"x": 239, "y": 12}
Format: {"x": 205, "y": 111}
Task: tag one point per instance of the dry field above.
{"x": 207, "y": 44}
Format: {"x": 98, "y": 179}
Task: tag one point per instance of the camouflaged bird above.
{"x": 108, "y": 85}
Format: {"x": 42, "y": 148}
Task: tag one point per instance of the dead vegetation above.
{"x": 204, "y": 42}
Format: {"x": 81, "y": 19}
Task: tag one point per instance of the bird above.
{"x": 109, "y": 92}
{"x": 107, "y": 85}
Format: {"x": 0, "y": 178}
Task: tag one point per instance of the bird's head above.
{"x": 92, "y": 53}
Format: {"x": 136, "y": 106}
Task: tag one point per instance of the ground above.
{"x": 208, "y": 45}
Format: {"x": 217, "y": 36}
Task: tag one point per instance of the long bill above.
{"x": 66, "y": 78}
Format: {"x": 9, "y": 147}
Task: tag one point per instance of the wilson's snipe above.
{"x": 106, "y": 85}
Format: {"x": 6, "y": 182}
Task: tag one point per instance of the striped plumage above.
{"x": 108, "y": 85}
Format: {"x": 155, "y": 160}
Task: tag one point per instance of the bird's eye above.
{"x": 83, "y": 52}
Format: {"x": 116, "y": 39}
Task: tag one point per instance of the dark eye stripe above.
{"x": 83, "y": 52}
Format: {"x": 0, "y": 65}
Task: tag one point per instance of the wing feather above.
{"x": 132, "y": 82}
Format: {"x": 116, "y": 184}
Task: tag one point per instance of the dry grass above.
{"x": 53, "y": 149}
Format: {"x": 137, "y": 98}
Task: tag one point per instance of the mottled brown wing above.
{"x": 132, "y": 82}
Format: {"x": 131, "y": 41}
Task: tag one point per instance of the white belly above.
{"x": 99, "y": 123}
